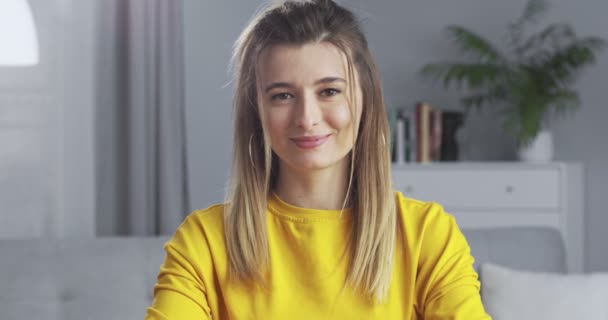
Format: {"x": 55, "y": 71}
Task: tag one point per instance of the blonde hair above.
{"x": 254, "y": 167}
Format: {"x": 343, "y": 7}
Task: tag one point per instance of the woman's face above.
{"x": 304, "y": 99}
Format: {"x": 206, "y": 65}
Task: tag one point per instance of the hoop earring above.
{"x": 250, "y": 156}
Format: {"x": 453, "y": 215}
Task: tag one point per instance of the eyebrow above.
{"x": 289, "y": 85}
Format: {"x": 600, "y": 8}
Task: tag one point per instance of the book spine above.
{"x": 408, "y": 119}
{"x": 400, "y": 141}
{"x": 392, "y": 122}
{"x": 431, "y": 135}
{"x": 423, "y": 132}
{"x": 438, "y": 134}
{"x": 411, "y": 114}
{"x": 419, "y": 132}
{"x": 406, "y": 139}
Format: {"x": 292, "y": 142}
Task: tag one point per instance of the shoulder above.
{"x": 199, "y": 227}
{"x": 420, "y": 215}
{"x": 192, "y": 255}
{"x": 209, "y": 218}
{"x": 427, "y": 228}
{"x": 439, "y": 254}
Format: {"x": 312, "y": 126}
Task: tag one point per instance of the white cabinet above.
{"x": 499, "y": 194}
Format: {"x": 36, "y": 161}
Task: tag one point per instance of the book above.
{"x": 392, "y": 122}
{"x": 409, "y": 135}
{"x": 435, "y": 134}
{"x": 417, "y": 134}
{"x": 406, "y": 139}
{"x": 428, "y": 132}
{"x": 423, "y": 111}
{"x": 400, "y": 140}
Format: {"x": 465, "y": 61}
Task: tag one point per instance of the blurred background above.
{"x": 120, "y": 124}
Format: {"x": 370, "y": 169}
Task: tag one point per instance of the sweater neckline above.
{"x": 279, "y": 207}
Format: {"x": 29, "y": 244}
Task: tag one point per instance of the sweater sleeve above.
{"x": 447, "y": 283}
{"x": 180, "y": 293}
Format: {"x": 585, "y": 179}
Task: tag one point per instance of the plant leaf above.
{"x": 534, "y": 10}
{"x": 470, "y": 42}
{"x": 531, "y": 114}
{"x": 564, "y": 101}
{"x": 478, "y": 100}
{"x": 564, "y": 64}
{"x": 474, "y": 75}
{"x": 556, "y": 31}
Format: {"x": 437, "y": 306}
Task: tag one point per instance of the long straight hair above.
{"x": 255, "y": 167}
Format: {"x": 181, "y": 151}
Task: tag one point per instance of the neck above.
{"x": 316, "y": 189}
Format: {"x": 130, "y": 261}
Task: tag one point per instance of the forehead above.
{"x": 307, "y": 62}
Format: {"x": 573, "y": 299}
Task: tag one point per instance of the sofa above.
{"x": 112, "y": 278}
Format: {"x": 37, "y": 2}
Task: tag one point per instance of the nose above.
{"x": 308, "y": 112}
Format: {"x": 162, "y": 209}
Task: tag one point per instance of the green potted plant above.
{"x": 527, "y": 83}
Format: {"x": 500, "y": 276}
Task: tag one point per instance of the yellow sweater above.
{"x": 433, "y": 276}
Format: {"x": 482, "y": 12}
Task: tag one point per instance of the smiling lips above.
{"x": 310, "y": 142}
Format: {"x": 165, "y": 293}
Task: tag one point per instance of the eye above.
{"x": 281, "y": 96}
{"x": 330, "y": 92}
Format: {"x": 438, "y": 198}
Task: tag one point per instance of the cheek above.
{"x": 277, "y": 124}
{"x": 340, "y": 117}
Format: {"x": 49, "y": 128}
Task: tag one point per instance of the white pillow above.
{"x": 509, "y": 294}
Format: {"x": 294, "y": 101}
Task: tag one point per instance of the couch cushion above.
{"x": 523, "y": 295}
{"x": 524, "y": 248}
{"x": 100, "y": 278}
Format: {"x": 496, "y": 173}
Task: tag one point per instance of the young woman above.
{"x": 311, "y": 228}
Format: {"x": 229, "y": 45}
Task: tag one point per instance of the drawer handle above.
{"x": 509, "y": 189}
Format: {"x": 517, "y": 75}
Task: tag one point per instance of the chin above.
{"x": 312, "y": 165}
{"x": 315, "y": 163}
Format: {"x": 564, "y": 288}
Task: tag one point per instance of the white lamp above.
{"x": 18, "y": 38}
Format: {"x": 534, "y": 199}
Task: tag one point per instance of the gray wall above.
{"x": 584, "y": 136}
{"x": 210, "y": 30}
{"x": 403, "y": 35}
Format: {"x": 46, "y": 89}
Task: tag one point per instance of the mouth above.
{"x": 310, "y": 142}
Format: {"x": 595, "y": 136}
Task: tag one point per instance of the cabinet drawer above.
{"x": 481, "y": 188}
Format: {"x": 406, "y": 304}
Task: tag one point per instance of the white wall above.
{"x": 46, "y": 159}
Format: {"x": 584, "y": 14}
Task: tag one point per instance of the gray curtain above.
{"x": 142, "y": 186}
